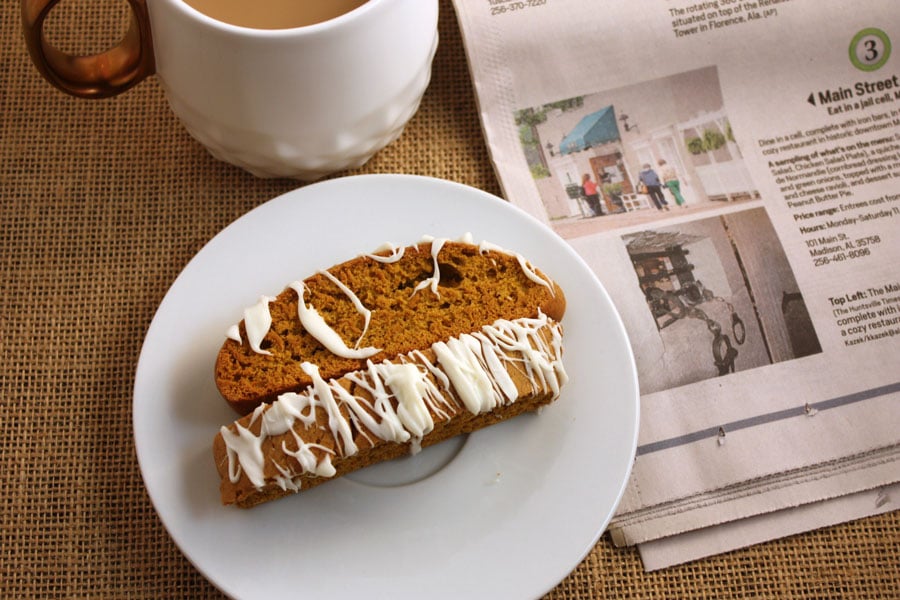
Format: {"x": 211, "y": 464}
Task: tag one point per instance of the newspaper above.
{"x": 730, "y": 170}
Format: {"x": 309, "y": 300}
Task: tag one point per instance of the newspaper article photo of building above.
{"x": 627, "y": 156}
{"x": 721, "y": 297}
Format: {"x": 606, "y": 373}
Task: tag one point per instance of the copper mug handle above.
{"x": 98, "y": 75}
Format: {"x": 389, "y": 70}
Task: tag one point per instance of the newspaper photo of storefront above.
{"x": 621, "y": 157}
{"x": 722, "y": 298}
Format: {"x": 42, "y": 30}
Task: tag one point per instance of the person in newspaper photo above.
{"x": 591, "y": 194}
{"x": 653, "y": 186}
{"x": 670, "y": 180}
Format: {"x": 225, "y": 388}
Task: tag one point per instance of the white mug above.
{"x": 301, "y": 102}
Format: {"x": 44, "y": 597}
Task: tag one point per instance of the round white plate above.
{"x": 506, "y": 512}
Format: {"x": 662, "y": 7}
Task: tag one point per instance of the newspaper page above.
{"x": 730, "y": 170}
{"x": 665, "y": 552}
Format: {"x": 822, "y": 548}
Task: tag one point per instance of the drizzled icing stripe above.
{"x": 395, "y": 253}
{"x": 257, "y": 321}
{"x": 234, "y": 333}
{"x": 400, "y": 398}
{"x": 313, "y": 322}
{"x": 357, "y": 304}
{"x": 529, "y": 271}
{"x": 435, "y": 278}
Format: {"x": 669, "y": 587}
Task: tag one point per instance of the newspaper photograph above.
{"x": 730, "y": 170}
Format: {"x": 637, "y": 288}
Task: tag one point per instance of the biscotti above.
{"x": 391, "y": 408}
{"x": 374, "y": 308}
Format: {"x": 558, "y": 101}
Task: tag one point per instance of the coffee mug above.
{"x": 298, "y": 102}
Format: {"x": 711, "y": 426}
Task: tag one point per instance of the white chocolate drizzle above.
{"x": 398, "y": 401}
{"x": 257, "y": 321}
{"x": 529, "y": 271}
{"x": 407, "y": 383}
{"x": 316, "y": 326}
{"x": 234, "y": 333}
{"x": 459, "y": 358}
{"x": 395, "y": 253}
{"x": 247, "y": 448}
{"x": 435, "y": 278}
{"x": 357, "y": 304}
{"x": 340, "y": 427}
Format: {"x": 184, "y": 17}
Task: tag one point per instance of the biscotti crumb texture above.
{"x": 412, "y": 298}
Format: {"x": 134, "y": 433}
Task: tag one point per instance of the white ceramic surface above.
{"x": 506, "y": 512}
{"x": 300, "y": 102}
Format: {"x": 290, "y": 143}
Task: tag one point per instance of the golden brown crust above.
{"x": 475, "y": 289}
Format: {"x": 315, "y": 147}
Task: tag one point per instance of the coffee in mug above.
{"x": 293, "y": 101}
{"x": 274, "y": 14}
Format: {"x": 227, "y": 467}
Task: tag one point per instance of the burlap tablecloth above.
{"x": 103, "y": 204}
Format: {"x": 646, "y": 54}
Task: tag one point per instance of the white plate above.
{"x": 506, "y": 512}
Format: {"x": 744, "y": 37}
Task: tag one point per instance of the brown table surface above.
{"x": 103, "y": 203}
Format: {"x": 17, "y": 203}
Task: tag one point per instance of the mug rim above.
{"x": 311, "y": 29}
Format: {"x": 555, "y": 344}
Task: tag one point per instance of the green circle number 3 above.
{"x": 870, "y": 49}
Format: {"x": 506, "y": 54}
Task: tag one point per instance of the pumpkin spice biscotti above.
{"x": 376, "y": 307}
{"x": 380, "y": 356}
{"x": 389, "y": 409}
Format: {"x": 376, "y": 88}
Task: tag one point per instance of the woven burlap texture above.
{"x": 103, "y": 203}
